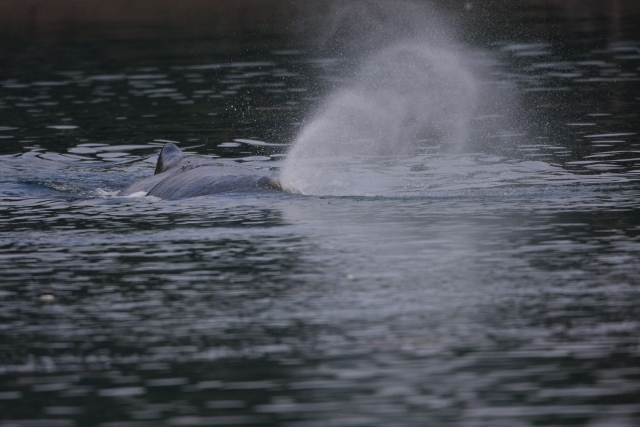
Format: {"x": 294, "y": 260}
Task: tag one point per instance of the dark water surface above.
{"x": 501, "y": 288}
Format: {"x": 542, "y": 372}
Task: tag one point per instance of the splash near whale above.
{"x": 403, "y": 96}
{"x": 413, "y": 94}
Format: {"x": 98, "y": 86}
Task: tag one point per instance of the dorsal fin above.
{"x": 169, "y": 157}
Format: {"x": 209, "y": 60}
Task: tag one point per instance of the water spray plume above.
{"x": 412, "y": 89}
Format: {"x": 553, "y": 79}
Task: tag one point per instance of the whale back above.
{"x": 169, "y": 157}
{"x": 211, "y": 179}
{"x": 178, "y": 176}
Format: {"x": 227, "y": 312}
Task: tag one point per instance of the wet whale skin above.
{"x": 179, "y": 176}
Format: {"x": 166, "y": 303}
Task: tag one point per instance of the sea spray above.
{"x": 404, "y": 97}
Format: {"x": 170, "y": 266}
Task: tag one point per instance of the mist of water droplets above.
{"x": 412, "y": 89}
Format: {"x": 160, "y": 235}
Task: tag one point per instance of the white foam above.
{"x": 138, "y": 194}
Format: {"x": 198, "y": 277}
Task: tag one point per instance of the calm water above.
{"x": 493, "y": 286}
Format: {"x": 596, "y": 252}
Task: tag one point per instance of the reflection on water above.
{"x": 487, "y": 288}
{"x": 189, "y": 103}
{"x": 472, "y": 310}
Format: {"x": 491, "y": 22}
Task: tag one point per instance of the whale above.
{"x": 179, "y": 176}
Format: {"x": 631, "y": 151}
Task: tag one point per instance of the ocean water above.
{"x": 474, "y": 268}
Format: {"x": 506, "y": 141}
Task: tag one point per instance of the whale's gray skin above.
{"x": 178, "y": 176}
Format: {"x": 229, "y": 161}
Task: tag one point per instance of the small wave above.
{"x": 62, "y": 186}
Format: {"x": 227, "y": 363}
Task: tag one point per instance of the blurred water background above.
{"x": 477, "y": 265}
